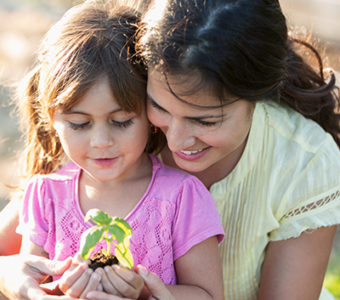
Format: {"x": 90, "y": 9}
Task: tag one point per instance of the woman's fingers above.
{"x": 46, "y": 266}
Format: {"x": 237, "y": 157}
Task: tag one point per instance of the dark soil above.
{"x": 100, "y": 260}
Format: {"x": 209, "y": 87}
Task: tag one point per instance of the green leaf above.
{"x": 123, "y": 225}
{"x": 89, "y": 240}
{"x": 124, "y": 254}
{"x": 98, "y": 216}
{"x": 117, "y": 233}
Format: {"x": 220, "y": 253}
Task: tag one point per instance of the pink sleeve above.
{"x": 196, "y": 218}
{"x": 32, "y": 221}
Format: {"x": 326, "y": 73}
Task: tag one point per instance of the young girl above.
{"x": 260, "y": 127}
{"x": 87, "y": 140}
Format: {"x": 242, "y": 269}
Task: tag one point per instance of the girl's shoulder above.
{"x": 172, "y": 179}
{"x": 67, "y": 173}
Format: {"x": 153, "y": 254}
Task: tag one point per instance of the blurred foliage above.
{"x": 332, "y": 283}
{"x": 332, "y": 278}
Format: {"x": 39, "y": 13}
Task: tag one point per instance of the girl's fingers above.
{"x": 126, "y": 282}
{"x": 96, "y": 295}
{"x": 132, "y": 278}
{"x": 92, "y": 284}
{"x": 79, "y": 286}
{"x": 70, "y": 278}
{"x": 108, "y": 286}
{"x": 155, "y": 285}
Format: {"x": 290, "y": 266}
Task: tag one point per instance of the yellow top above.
{"x": 287, "y": 181}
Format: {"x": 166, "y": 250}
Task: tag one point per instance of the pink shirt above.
{"x": 176, "y": 213}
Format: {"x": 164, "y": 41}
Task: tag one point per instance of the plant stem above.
{"x": 108, "y": 243}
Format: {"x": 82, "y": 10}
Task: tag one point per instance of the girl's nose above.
{"x": 101, "y": 137}
{"x": 178, "y": 136}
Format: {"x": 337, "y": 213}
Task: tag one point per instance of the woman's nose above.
{"x": 178, "y": 136}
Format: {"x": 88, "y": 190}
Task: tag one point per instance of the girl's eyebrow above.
{"x": 155, "y": 104}
{"x": 76, "y": 112}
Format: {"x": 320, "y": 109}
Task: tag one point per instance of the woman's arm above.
{"x": 10, "y": 241}
{"x": 295, "y": 268}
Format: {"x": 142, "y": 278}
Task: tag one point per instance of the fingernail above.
{"x": 96, "y": 276}
{"x": 142, "y": 271}
{"x": 99, "y": 271}
{"x": 107, "y": 269}
{"x": 89, "y": 271}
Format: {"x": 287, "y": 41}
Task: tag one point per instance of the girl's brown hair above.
{"x": 89, "y": 41}
{"x": 240, "y": 48}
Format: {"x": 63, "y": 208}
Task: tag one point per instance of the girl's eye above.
{"x": 124, "y": 124}
{"x": 76, "y": 126}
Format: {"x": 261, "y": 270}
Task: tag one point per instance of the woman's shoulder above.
{"x": 287, "y": 125}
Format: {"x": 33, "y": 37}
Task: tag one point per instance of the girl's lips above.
{"x": 104, "y": 162}
{"x": 192, "y": 156}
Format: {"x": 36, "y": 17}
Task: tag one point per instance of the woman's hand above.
{"x": 20, "y": 276}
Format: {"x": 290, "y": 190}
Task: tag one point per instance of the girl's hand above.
{"x": 156, "y": 289}
{"x": 119, "y": 281}
{"x": 79, "y": 279}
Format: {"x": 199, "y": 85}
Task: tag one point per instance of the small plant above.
{"x": 115, "y": 231}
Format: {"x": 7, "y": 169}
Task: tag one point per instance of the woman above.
{"x": 249, "y": 117}
{"x": 257, "y": 125}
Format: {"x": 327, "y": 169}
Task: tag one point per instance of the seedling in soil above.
{"x": 115, "y": 231}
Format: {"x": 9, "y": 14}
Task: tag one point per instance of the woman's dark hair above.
{"x": 240, "y": 48}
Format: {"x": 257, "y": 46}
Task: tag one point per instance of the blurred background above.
{"x": 23, "y": 23}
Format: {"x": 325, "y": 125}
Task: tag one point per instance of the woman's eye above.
{"x": 123, "y": 124}
{"x": 157, "y": 107}
{"x": 76, "y": 126}
{"x": 205, "y": 123}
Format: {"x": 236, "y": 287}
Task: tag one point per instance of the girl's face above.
{"x": 198, "y": 137}
{"x": 104, "y": 140}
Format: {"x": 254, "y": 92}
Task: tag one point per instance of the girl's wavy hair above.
{"x": 91, "y": 40}
{"x": 239, "y": 48}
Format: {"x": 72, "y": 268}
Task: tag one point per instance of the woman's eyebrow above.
{"x": 155, "y": 104}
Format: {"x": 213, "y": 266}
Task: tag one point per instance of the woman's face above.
{"x": 198, "y": 137}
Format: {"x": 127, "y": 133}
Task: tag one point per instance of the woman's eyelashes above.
{"x": 113, "y": 123}
{"x": 205, "y": 123}
{"x": 198, "y": 121}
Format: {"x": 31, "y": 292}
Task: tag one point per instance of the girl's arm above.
{"x": 199, "y": 273}
{"x": 10, "y": 241}
{"x": 295, "y": 268}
